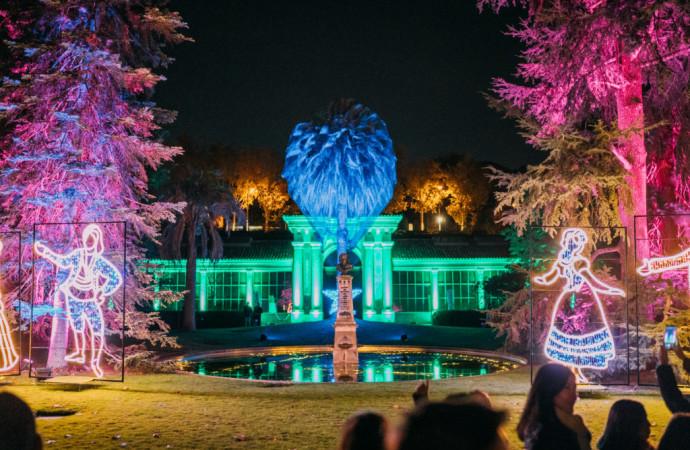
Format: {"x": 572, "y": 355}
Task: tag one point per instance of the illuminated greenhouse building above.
{"x": 402, "y": 279}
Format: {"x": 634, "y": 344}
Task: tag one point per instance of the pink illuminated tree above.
{"x": 621, "y": 61}
{"x": 79, "y": 132}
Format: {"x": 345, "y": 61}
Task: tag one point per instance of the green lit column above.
{"x": 481, "y": 295}
{"x": 316, "y": 281}
{"x": 250, "y": 288}
{"x": 202, "y": 290}
{"x": 387, "y": 279}
{"x": 378, "y": 274}
{"x": 368, "y": 280}
{"x": 297, "y": 280}
{"x": 434, "y": 290}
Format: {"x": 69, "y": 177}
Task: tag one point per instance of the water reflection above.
{"x": 373, "y": 367}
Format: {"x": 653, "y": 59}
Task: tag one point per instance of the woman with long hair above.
{"x": 548, "y": 421}
{"x": 627, "y": 427}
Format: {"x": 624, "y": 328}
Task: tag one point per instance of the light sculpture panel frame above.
{"x": 79, "y": 276}
{"x": 661, "y": 264}
{"x": 11, "y": 279}
{"x": 553, "y": 284}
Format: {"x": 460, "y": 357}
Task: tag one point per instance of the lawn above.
{"x": 189, "y": 411}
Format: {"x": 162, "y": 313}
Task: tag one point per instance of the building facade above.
{"x": 396, "y": 278}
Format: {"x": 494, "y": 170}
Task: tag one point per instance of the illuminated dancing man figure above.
{"x": 85, "y": 279}
{"x": 570, "y": 340}
{"x": 7, "y": 350}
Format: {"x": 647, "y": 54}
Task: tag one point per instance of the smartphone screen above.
{"x": 670, "y": 337}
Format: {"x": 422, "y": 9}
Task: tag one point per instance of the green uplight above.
{"x": 297, "y": 372}
{"x": 436, "y": 366}
{"x": 316, "y": 375}
{"x": 388, "y": 373}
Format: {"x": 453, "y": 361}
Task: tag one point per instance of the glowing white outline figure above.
{"x": 663, "y": 263}
{"x": 580, "y": 351}
{"x": 85, "y": 278}
{"x": 8, "y": 352}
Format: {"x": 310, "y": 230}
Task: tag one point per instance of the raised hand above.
{"x": 421, "y": 393}
{"x": 663, "y": 355}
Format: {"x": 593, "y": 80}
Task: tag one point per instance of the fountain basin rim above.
{"x": 310, "y": 349}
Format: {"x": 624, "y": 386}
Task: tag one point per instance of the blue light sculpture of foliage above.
{"x": 341, "y": 166}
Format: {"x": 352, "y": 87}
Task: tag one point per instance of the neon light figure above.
{"x": 85, "y": 278}
{"x": 8, "y": 353}
{"x": 662, "y": 264}
{"x": 565, "y": 343}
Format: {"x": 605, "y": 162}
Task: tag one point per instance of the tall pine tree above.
{"x": 78, "y": 130}
{"x": 621, "y": 61}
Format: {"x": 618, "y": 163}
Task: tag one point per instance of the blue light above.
{"x": 340, "y": 167}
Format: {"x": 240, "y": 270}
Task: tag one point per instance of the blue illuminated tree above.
{"x": 341, "y": 166}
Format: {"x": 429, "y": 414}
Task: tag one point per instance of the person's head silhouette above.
{"x": 17, "y": 424}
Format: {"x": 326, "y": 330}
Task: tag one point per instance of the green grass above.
{"x": 188, "y": 411}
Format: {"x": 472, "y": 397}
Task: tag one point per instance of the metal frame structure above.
{"x": 124, "y": 289}
{"x": 637, "y": 293}
{"x": 18, "y": 334}
{"x": 623, "y": 261}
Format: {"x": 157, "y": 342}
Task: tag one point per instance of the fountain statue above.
{"x": 345, "y": 356}
{"x": 341, "y": 166}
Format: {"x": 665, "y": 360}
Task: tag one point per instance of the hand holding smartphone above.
{"x": 670, "y": 337}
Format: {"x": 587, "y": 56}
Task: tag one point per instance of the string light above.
{"x": 665, "y": 263}
{"x": 581, "y": 351}
{"x": 84, "y": 280}
{"x": 8, "y": 351}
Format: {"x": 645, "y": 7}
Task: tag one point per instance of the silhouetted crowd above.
{"x": 470, "y": 421}
{"x": 548, "y": 422}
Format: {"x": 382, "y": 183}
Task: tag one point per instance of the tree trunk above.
{"x": 204, "y": 237}
{"x": 246, "y": 220}
{"x": 421, "y": 220}
{"x": 189, "y": 314}
{"x": 630, "y": 112}
{"x": 58, "y": 335}
{"x": 265, "y": 221}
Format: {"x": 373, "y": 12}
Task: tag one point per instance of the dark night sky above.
{"x": 260, "y": 66}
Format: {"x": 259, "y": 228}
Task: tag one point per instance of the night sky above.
{"x": 260, "y": 66}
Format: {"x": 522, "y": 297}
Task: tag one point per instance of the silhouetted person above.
{"x": 627, "y": 427}
{"x": 364, "y": 431}
{"x": 548, "y": 422}
{"x": 248, "y": 312}
{"x": 17, "y": 424}
{"x": 667, "y": 382}
{"x": 257, "y": 314}
{"x": 677, "y": 434}
{"x": 448, "y": 426}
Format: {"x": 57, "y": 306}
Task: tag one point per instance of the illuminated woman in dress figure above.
{"x": 8, "y": 354}
{"x": 85, "y": 278}
{"x": 567, "y": 341}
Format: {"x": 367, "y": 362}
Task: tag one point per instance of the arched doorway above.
{"x": 329, "y": 281}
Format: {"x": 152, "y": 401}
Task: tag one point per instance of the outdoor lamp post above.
{"x": 439, "y": 221}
